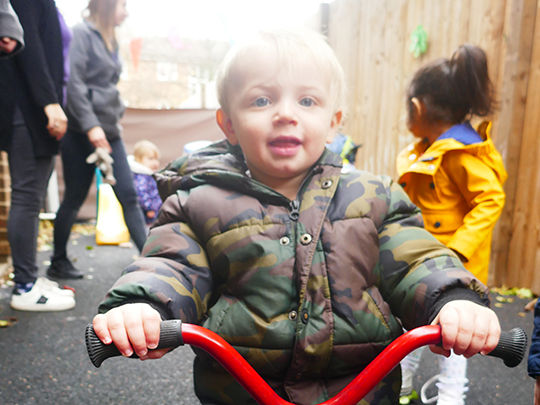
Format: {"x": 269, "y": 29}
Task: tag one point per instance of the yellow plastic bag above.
{"x": 111, "y": 228}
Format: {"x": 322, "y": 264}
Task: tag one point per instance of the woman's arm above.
{"x": 79, "y": 101}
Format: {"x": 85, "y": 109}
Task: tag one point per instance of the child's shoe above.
{"x": 407, "y": 393}
{"x": 63, "y": 268}
{"x": 43, "y": 296}
{"x": 450, "y": 392}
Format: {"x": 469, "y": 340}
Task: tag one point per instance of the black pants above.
{"x": 29, "y": 179}
{"x": 78, "y": 175}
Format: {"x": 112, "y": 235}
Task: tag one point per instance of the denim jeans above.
{"x": 78, "y": 175}
{"x": 29, "y": 179}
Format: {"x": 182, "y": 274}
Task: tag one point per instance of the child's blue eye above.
{"x": 262, "y": 102}
{"x": 306, "y": 102}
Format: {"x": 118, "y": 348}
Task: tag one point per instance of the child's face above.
{"x": 151, "y": 161}
{"x": 281, "y": 116}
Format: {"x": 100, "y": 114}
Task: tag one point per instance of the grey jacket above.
{"x": 10, "y": 27}
{"x": 93, "y": 99}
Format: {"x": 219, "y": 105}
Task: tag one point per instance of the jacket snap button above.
{"x": 432, "y": 185}
{"x": 412, "y": 157}
{"x": 327, "y": 184}
{"x": 293, "y": 315}
{"x": 413, "y": 166}
{"x": 437, "y": 224}
{"x": 305, "y": 316}
{"x": 431, "y": 167}
{"x": 284, "y": 241}
{"x": 305, "y": 239}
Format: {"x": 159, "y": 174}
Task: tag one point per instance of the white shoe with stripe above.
{"x": 44, "y": 296}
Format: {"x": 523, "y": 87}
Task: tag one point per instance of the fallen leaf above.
{"x": 4, "y": 323}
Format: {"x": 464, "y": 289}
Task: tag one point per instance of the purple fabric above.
{"x": 148, "y": 195}
{"x": 463, "y": 133}
{"x": 67, "y": 35}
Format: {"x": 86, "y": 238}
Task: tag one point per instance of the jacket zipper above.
{"x": 295, "y": 204}
{"x": 295, "y": 210}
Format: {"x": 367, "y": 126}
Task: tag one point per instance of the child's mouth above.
{"x": 285, "y": 145}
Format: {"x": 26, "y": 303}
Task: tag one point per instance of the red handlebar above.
{"x": 511, "y": 348}
{"x": 253, "y": 383}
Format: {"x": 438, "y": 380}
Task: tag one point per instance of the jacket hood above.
{"x": 223, "y": 165}
{"x": 431, "y": 155}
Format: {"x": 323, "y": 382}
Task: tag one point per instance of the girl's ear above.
{"x": 226, "y": 126}
{"x": 418, "y": 107}
{"x": 334, "y": 126}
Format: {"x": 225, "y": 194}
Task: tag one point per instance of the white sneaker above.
{"x": 449, "y": 393}
{"x": 43, "y": 297}
{"x": 53, "y": 286}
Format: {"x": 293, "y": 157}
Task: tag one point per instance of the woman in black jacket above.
{"x": 94, "y": 109}
{"x": 31, "y": 125}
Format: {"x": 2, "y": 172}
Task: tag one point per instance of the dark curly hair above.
{"x": 453, "y": 89}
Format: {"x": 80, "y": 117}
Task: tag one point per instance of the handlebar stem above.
{"x": 253, "y": 383}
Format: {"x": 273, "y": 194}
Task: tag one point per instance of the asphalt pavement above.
{"x": 43, "y": 357}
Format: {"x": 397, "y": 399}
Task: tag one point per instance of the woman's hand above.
{"x": 98, "y": 138}
{"x": 7, "y": 44}
{"x": 57, "y": 125}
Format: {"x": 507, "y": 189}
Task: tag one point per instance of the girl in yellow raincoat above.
{"x": 455, "y": 176}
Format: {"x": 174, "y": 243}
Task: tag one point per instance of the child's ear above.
{"x": 418, "y": 107}
{"x": 334, "y": 126}
{"x": 226, "y": 126}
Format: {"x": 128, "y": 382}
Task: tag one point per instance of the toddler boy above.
{"x": 262, "y": 239}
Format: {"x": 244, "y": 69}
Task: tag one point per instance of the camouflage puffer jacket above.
{"x": 308, "y": 291}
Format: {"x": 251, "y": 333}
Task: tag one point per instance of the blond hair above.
{"x": 291, "y": 45}
{"x": 102, "y": 14}
{"x": 145, "y": 148}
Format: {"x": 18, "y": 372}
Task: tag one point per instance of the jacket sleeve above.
{"x": 415, "y": 270}
{"x": 10, "y": 27}
{"x": 78, "y": 103}
{"x": 533, "y": 366}
{"x": 32, "y": 61}
{"x": 480, "y": 187}
{"x": 173, "y": 273}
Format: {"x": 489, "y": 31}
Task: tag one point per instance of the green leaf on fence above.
{"x": 419, "y": 41}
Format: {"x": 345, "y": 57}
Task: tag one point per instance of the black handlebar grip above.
{"x": 511, "y": 347}
{"x": 170, "y": 336}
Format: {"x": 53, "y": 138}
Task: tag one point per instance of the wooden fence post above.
{"x": 512, "y": 84}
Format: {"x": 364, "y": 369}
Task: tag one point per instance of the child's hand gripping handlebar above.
{"x": 511, "y": 348}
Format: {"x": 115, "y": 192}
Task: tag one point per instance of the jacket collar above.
{"x": 420, "y": 157}
{"x": 223, "y": 165}
{"x": 138, "y": 168}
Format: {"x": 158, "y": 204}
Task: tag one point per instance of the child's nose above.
{"x": 285, "y": 114}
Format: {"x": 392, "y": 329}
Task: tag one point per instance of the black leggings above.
{"x": 29, "y": 179}
{"x": 78, "y": 175}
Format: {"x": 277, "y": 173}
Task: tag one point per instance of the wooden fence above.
{"x": 371, "y": 39}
